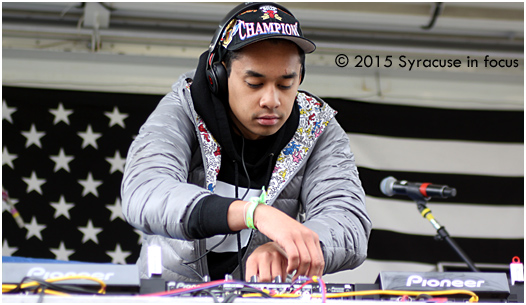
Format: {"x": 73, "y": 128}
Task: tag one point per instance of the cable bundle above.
{"x": 50, "y": 286}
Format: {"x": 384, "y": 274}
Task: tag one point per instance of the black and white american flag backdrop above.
{"x": 62, "y": 164}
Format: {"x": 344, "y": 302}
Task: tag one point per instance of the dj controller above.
{"x": 494, "y": 287}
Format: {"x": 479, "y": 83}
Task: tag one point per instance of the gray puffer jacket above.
{"x": 174, "y": 162}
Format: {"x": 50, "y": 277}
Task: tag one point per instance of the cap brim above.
{"x": 305, "y": 44}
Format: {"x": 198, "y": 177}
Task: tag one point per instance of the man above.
{"x": 236, "y": 172}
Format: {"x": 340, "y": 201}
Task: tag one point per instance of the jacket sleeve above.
{"x": 156, "y": 197}
{"x": 334, "y": 201}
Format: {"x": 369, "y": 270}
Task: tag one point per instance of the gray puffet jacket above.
{"x": 174, "y": 162}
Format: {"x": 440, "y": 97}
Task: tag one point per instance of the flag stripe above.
{"x": 471, "y": 189}
{"x": 468, "y": 221}
{"x": 438, "y": 156}
{"x": 393, "y": 246}
{"x": 429, "y": 123}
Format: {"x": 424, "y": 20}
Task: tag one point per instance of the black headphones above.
{"x": 215, "y": 71}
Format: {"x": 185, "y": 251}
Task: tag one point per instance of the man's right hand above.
{"x": 301, "y": 245}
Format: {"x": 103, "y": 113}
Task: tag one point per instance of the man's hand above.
{"x": 267, "y": 262}
{"x": 301, "y": 246}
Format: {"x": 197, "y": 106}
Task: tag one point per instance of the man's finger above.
{"x": 251, "y": 270}
{"x": 264, "y": 273}
{"x": 293, "y": 260}
{"x": 317, "y": 260}
{"x": 276, "y": 269}
{"x": 304, "y": 259}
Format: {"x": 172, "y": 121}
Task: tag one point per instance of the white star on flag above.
{"x": 90, "y": 185}
{"x": 33, "y": 136}
{"x": 7, "y": 111}
{"x": 61, "y": 253}
{"x": 89, "y": 137}
{"x": 61, "y": 114}
{"x": 141, "y": 234}
{"x": 116, "y": 117}
{"x": 62, "y": 207}
{"x": 6, "y": 250}
{"x": 34, "y": 229}
{"x": 8, "y": 158}
{"x": 61, "y": 160}
{"x": 116, "y": 210}
{"x": 33, "y": 183}
{"x": 90, "y": 232}
{"x": 118, "y": 256}
{"x": 117, "y": 162}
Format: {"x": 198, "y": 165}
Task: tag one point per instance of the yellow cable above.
{"x": 474, "y": 298}
{"x": 287, "y": 295}
{"x": 280, "y": 295}
{"x": 77, "y": 277}
{"x": 53, "y": 292}
{"x": 9, "y": 287}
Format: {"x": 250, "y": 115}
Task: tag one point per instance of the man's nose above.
{"x": 270, "y": 98}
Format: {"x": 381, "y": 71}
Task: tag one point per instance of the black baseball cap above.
{"x": 261, "y": 21}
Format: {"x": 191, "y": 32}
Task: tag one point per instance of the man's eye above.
{"x": 254, "y": 86}
{"x": 285, "y": 87}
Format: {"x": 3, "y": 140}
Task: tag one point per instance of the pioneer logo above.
{"x": 43, "y": 273}
{"x": 185, "y": 285}
{"x": 417, "y": 280}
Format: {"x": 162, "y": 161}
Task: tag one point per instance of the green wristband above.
{"x": 254, "y": 202}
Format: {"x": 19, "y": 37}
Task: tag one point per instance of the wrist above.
{"x": 236, "y": 216}
{"x": 259, "y": 213}
{"x": 251, "y": 209}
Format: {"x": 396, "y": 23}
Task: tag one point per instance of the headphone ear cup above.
{"x": 217, "y": 79}
{"x": 212, "y": 80}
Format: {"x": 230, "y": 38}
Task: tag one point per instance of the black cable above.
{"x": 185, "y": 264}
{"x": 239, "y": 255}
{"x": 244, "y": 166}
{"x": 200, "y": 257}
{"x": 42, "y": 284}
{"x": 208, "y": 291}
{"x": 436, "y": 13}
{"x": 193, "y": 270}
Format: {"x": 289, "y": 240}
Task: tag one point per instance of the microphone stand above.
{"x": 421, "y": 202}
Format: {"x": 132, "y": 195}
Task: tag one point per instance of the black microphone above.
{"x": 390, "y": 186}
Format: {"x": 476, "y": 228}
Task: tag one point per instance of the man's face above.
{"x": 262, "y": 87}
